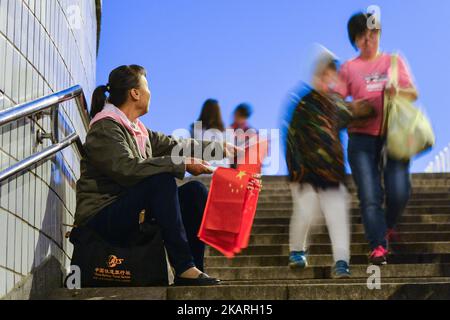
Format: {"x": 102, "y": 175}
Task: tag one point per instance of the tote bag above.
{"x": 408, "y": 131}
{"x": 142, "y": 263}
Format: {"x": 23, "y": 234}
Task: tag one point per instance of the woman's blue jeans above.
{"x": 364, "y": 154}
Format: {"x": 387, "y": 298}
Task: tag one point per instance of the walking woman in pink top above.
{"x": 366, "y": 77}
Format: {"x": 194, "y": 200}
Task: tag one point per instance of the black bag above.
{"x": 140, "y": 264}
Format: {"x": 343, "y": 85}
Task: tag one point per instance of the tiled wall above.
{"x": 45, "y": 46}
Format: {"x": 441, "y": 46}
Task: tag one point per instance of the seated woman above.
{"x": 128, "y": 168}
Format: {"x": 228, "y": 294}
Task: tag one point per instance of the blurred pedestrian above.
{"x": 367, "y": 77}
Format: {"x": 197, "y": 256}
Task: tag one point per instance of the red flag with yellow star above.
{"x": 230, "y": 210}
{"x": 254, "y": 156}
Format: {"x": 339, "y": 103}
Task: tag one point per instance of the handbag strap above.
{"x": 394, "y": 69}
{"x": 393, "y": 80}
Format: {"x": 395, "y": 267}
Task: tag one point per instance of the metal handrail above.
{"x": 37, "y": 106}
{"x": 41, "y": 104}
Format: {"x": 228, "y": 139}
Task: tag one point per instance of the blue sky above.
{"x": 256, "y": 50}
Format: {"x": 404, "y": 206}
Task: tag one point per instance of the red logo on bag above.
{"x": 113, "y": 261}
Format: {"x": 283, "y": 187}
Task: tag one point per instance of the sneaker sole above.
{"x": 378, "y": 262}
{"x": 297, "y": 266}
{"x": 342, "y": 276}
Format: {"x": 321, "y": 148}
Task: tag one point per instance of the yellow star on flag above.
{"x": 241, "y": 174}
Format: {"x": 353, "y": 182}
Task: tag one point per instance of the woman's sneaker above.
{"x": 297, "y": 260}
{"x": 341, "y": 270}
{"x": 378, "y": 256}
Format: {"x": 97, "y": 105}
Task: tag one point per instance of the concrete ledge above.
{"x": 40, "y": 283}
{"x": 388, "y": 291}
{"x": 156, "y": 293}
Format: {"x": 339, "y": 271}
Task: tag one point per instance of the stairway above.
{"x": 419, "y": 269}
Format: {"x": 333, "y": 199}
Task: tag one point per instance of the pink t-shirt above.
{"x": 366, "y": 80}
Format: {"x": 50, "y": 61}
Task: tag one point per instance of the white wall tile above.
{"x": 22, "y": 77}
{"x": 45, "y": 194}
{"x": 8, "y": 69}
{"x": 17, "y": 278}
{"x": 18, "y": 246}
{"x": 31, "y": 248}
{"x": 4, "y": 199}
{"x": 38, "y": 206}
{"x": 30, "y": 36}
{"x": 37, "y": 249}
{"x": 26, "y": 197}
{"x": 3, "y": 288}
{"x": 13, "y": 140}
{"x": 2, "y": 61}
{"x": 32, "y": 198}
{"x": 12, "y": 192}
{"x": 19, "y": 195}
{"x": 10, "y": 249}
{"x": 24, "y": 249}
{"x": 24, "y": 30}
{"x": 9, "y": 281}
{"x": 17, "y": 22}
{"x": 15, "y": 77}
{"x": 3, "y": 15}
{"x": 3, "y": 237}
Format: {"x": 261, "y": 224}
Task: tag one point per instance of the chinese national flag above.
{"x": 230, "y": 210}
{"x": 254, "y": 156}
{"x": 232, "y": 201}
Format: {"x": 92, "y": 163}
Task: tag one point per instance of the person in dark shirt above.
{"x": 315, "y": 161}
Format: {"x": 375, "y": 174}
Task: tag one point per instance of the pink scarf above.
{"x": 137, "y": 130}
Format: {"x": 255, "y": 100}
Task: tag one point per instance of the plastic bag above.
{"x": 408, "y": 131}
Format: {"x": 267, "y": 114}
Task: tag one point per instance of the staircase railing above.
{"x": 48, "y": 104}
{"x": 441, "y": 162}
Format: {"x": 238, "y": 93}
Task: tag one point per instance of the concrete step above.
{"x": 401, "y": 288}
{"x": 352, "y": 280}
{"x": 350, "y": 182}
{"x": 355, "y": 248}
{"x": 424, "y": 179}
{"x": 403, "y": 227}
{"x": 348, "y": 178}
{"x": 286, "y": 197}
{"x": 416, "y": 188}
{"x": 324, "y": 238}
{"x": 321, "y": 259}
{"x": 416, "y": 210}
{"x": 389, "y": 291}
{"x": 264, "y": 204}
{"x": 415, "y": 180}
{"x": 341, "y": 291}
{"x": 422, "y": 218}
{"x": 414, "y": 176}
{"x": 324, "y": 272}
{"x": 128, "y": 293}
{"x": 275, "y": 190}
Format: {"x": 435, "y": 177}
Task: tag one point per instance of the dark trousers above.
{"x": 177, "y": 210}
{"x": 364, "y": 154}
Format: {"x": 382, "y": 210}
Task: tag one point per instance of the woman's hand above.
{"x": 392, "y": 91}
{"x": 361, "y": 109}
{"x": 197, "y": 167}
{"x": 230, "y": 150}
